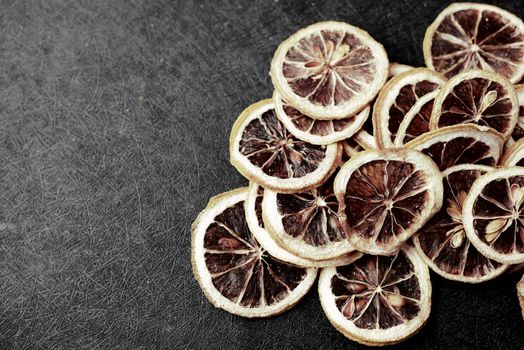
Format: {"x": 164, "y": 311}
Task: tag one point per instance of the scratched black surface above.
{"x": 114, "y": 123}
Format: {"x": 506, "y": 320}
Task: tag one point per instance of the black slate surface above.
{"x": 114, "y": 124}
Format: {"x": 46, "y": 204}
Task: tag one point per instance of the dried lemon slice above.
{"x": 253, "y": 207}
{"x": 460, "y": 144}
{"x": 493, "y": 215}
{"x": 377, "y": 300}
{"x": 385, "y": 197}
{"x": 351, "y": 147}
{"x": 263, "y": 151}
{"x": 398, "y": 68}
{"x": 518, "y": 132}
{"x": 396, "y": 99}
{"x": 514, "y": 155}
{"x": 467, "y": 36}
{"x": 329, "y": 70}
{"x": 306, "y": 223}
{"x": 315, "y": 131}
{"x": 477, "y": 97}
{"x": 442, "y": 242}
{"x": 234, "y": 272}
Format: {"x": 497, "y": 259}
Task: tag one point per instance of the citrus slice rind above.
{"x": 253, "y": 207}
{"x": 460, "y": 144}
{"x": 366, "y": 140}
{"x": 315, "y": 131}
{"x": 306, "y": 223}
{"x": 518, "y": 132}
{"x": 385, "y": 197}
{"x": 234, "y": 272}
{"x": 468, "y": 36}
{"x": 493, "y": 215}
{"x": 416, "y": 121}
{"x": 329, "y": 70}
{"x": 351, "y": 147}
{"x": 263, "y": 151}
{"x": 514, "y": 155}
{"x": 398, "y": 68}
{"x": 377, "y": 300}
{"x": 442, "y": 242}
{"x": 396, "y": 99}
{"x": 477, "y": 97}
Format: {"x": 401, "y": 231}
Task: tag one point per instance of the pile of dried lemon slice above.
{"x": 370, "y": 180}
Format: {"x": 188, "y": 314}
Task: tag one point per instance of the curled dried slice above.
{"x": 396, "y": 99}
{"x": 477, "y": 97}
{"x": 306, "y": 223}
{"x": 520, "y": 294}
{"x": 416, "y": 121}
{"x": 385, "y": 197}
{"x": 366, "y": 139}
{"x": 467, "y": 36}
{"x": 398, "y": 68}
{"x": 377, "y": 300}
{"x": 234, "y": 272}
{"x": 329, "y": 70}
{"x": 442, "y": 242}
{"x": 460, "y": 144}
{"x": 316, "y": 131}
{"x": 253, "y": 207}
{"x": 263, "y": 151}
{"x": 493, "y": 215}
{"x": 351, "y": 147}
{"x": 518, "y": 132}
{"x": 514, "y": 155}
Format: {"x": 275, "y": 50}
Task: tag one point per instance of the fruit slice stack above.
{"x": 373, "y": 181}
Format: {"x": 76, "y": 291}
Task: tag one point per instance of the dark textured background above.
{"x": 114, "y": 123}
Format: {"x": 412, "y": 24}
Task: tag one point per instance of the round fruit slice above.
{"x": 306, "y": 223}
{"x": 329, "y": 70}
{"x": 460, "y": 144}
{"x": 263, "y": 151}
{"x": 467, "y": 36}
{"x": 253, "y": 207}
{"x": 514, "y": 155}
{"x": 476, "y": 97}
{"x": 377, "y": 300}
{"x": 385, "y": 197}
{"x": 315, "y": 131}
{"x": 442, "y": 242}
{"x": 518, "y": 132}
{"x": 416, "y": 121}
{"x": 398, "y": 68}
{"x": 493, "y": 215}
{"x": 396, "y": 99}
{"x": 234, "y": 272}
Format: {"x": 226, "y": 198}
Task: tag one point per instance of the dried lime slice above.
{"x": 377, "y": 300}
{"x": 416, "y": 121}
{"x": 518, "y": 132}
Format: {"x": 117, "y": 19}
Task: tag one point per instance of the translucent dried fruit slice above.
{"x": 460, "y": 144}
{"x": 442, "y": 242}
{"x": 377, "y": 300}
{"x": 316, "y": 131}
{"x": 398, "y": 68}
{"x": 520, "y": 294}
{"x": 306, "y": 223}
{"x": 518, "y": 132}
{"x": 263, "y": 151}
{"x": 477, "y": 97}
{"x": 253, "y": 207}
{"x": 493, "y": 215}
{"x": 385, "y": 197}
{"x": 514, "y": 155}
{"x": 329, "y": 70}
{"x": 416, "y": 121}
{"x": 467, "y": 36}
{"x": 235, "y": 273}
{"x": 396, "y": 99}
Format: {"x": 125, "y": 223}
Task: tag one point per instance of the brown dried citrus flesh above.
{"x": 442, "y": 242}
{"x": 263, "y": 151}
{"x": 514, "y": 155}
{"x": 460, "y": 144}
{"x": 468, "y": 36}
{"x": 253, "y": 208}
{"x": 518, "y": 132}
{"x": 306, "y": 223}
{"x": 235, "y": 273}
{"x": 416, "y": 121}
{"x": 520, "y": 294}
{"x": 476, "y": 97}
{"x": 377, "y": 300}
{"x": 396, "y": 99}
{"x": 493, "y": 215}
{"x": 329, "y": 70}
{"x": 385, "y": 197}
{"x": 316, "y": 131}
